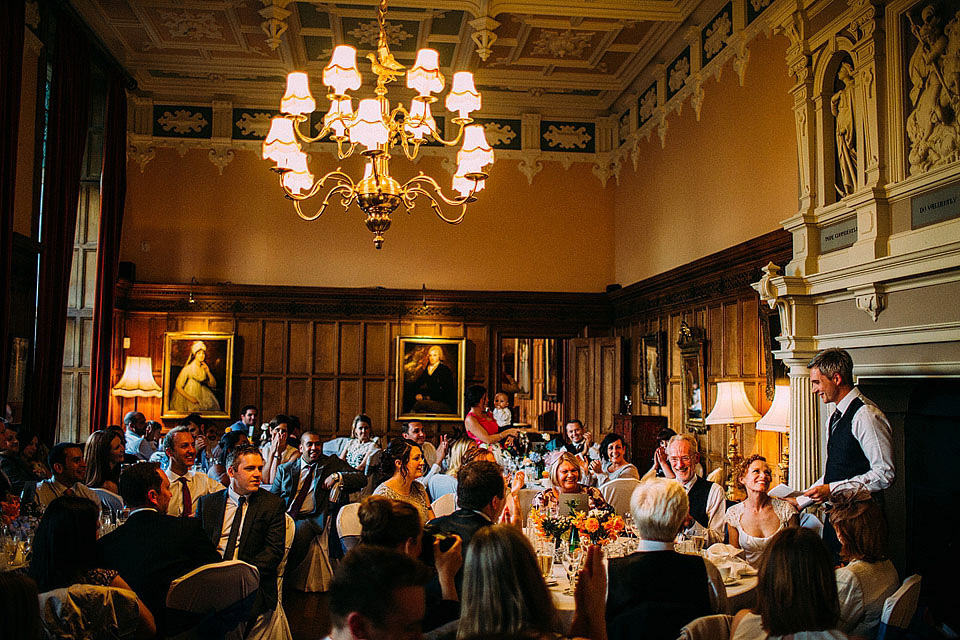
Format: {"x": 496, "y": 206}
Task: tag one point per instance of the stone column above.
{"x": 805, "y": 464}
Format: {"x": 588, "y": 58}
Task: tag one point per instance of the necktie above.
{"x": 834, "y": 419}
{"x": 69, "y": 492}
{"x": 187, "y": 498}
{"x": 302, "y": 494}
{"x": 234, "y": 530}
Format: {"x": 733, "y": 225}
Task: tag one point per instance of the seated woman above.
{"x": 869, "y": 578}
{"x": 751, "y": 523}
{"x": 33, "y": 453}
{"x": 103, "y": 454}
{"x": 396, "y": 525}
{"x": 64, "y": 554}
{"x": 565, "y": 476}
{"x": 796, "y": 592}
{"x": 443, "y": 483}
{"x": 401, "y": 463}
{"x": 481, "y": 426}
{"x": 661, "y": 467}
{"x": 230, "y": 441}
{"x": 362, "y": 445}
{"x": 656, "y": 588}
{"x": 504, "y": 595}
{"x": 276, "y": 451}
{"x": 614, "y": 463}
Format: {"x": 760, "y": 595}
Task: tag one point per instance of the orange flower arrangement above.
{"x": 600, "y": 526}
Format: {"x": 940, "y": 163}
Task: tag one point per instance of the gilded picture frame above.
{"x": 197, "y": 374}
{"x": 652, "y": 369}
{"x": 693, "y": 378}
{"x": 430, "y": 377}
{"x": 552, "y": 369}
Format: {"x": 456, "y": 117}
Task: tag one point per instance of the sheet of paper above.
{"x": 784, "y": 491}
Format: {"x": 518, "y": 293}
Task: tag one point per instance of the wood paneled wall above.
{"x": 715, "y": 294}
{"x": 325, "y": 355}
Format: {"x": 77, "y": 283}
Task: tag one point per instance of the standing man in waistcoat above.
{"x": 707, "y": 500}
{"x": 859, "y": 446}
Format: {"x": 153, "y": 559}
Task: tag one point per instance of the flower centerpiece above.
{"x": 600, "y": 526}
{"x": 9, "y": 510}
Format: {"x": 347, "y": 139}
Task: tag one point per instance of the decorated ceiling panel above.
{"x": 589, "y": 52}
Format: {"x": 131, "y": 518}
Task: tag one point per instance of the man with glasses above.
{"x": 707, "y": 502}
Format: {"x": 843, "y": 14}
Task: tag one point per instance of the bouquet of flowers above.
{"x": 552, "y": 526}
{"x": 600, "y": 526}
{"x": 10, "y": 510}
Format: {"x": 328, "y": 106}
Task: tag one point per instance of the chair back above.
{"x": 617, "y": 493}
{"x": 440, "y": 484}
{"x": 445, "y": 505}
{"x": 272, "y": 624}
{"x": 715, "y": 627}
{"x": 348, "y": 526}
{"x": 899, "y": 608}
{"x": 88, "y": 611}
{"x": 334, "y": 447}
{"x": 810, "y": 521}
{"x": 109, "y": 499}
{"x": 213, "y": 587}
{"x": 716, "y": 476}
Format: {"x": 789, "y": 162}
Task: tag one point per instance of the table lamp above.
{"x": 732, "y": 408}
{"x": 777, "y": 419}
{"x": 137, "y": 380}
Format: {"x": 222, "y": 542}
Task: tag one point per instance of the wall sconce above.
{"x": 732, "y": 408}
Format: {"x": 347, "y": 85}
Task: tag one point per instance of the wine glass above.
{"x": 571, "y": 565}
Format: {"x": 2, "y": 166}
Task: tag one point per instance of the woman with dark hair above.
{"x": 33, "y": 453}
{"x": 362, "y": 444}
{"x": 276, "y": 451}
{"x": 19, "y": 607}
{"x": 401, "y": 463}
{"x": 751, "y": 523}
{"x": 796, "y": 592}
{"x": 103, "y": 454}
{"x": 869, "y": 577}
{"x": 480, "y": 423}
{"x": 504, "y": 594}
{"x": 613, "y": 452}
{"x": 64, "y": 552}
{"x": 228, "y": 442}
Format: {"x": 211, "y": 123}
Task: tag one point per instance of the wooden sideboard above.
{"x": 640, "y": 434}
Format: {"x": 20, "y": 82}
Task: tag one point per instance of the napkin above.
{"x": 725, "y": 555}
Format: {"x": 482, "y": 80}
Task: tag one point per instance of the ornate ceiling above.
{"x": 554, "y": 57}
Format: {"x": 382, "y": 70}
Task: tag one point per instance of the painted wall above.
{"x": 730, "y": 177}
{"x": 554, "y": 235}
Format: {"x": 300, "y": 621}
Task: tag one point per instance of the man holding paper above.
{"x": 859, "y": 448}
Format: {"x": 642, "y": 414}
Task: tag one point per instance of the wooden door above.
{"x": 593, "y": 382}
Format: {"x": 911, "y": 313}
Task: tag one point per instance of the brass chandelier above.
{"x": 378, "y": 129}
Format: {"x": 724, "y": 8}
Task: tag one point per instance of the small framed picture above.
{"x": 552, "y": 368}
{"x": 197, "y": 374}
{"x": 652, "y": 369}
{"x": 430, "y": 378}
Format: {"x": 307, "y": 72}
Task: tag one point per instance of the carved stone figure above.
{"x": 932, "y": 125}
{"x": 841, "y": 105}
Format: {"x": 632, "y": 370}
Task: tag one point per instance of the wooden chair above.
{"x": 213, "y": 601}
{"x": 445, "y": 505}
{"x": 715, "y": 627}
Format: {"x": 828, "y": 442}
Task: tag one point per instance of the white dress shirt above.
{"x": 132, "y": 442}
{"x": 49, "y": 490}
{"x": 716, "y": 508}
{"x": 200, "y": 484}
{"x": 228, "y": 515}
{"x": 872, "y": 430}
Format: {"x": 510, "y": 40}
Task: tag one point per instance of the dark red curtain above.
{"x": 113, "y": 189}
{"x": 11, "y": 64}
{"x": 66, "y": 137}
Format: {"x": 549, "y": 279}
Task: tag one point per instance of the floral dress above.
{"x": 551, "y": 497}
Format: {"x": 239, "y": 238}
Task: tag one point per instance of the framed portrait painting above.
{"x": 197, "y": 374}
{"x": 693, "y": 377}
{"x": 652, "y": 369}
{"x": 430, "y": 378}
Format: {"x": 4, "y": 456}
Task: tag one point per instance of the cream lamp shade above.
{"x": 137, "y": 380}
{"x": 777, "y": 417}
{"x": 732, "y": 406}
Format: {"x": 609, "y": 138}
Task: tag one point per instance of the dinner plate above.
{"x": 732, "y": 582}
{"x": 552, "y": 583}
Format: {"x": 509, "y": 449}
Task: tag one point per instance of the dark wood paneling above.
{"x": 299, "y": 356}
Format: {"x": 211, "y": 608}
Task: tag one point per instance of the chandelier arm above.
{"x": 348, "y": 195}
{"x": 302, "y": 136}
{"x": 416, "y": 190}
{"x": 340, "y": 153}
{"x": 456, "y": 140}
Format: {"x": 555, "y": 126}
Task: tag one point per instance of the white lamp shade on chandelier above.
{"x": 424, "y": 76}
{"x": 137, "y": 380}
{"x": 280, "y": 144}
{"x": 297, "y": 99}
{"x": 463, "y": 97}
{"x": 777, "y": 418}
{"x": 476, "y": 152}
{"x": 342, "y": 74}
{"x": 420, "y": 123}
{"x": 368, "y": 127}
{"x": 732, "y": 405}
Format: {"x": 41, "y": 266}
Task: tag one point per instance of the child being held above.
{"x": 501, "y": 412}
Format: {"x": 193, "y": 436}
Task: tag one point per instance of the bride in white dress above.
{"x": 751, "y": 523}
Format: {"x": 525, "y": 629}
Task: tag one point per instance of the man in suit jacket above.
{"x": 480, "y": 498}
{"x": 152, "y": 549}
{"x": 304, "y": 485}
{"x": 259, "y": 536}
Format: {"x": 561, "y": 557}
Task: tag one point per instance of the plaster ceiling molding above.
{"x": 606, "y": 166}
{"x": 221, "y": 154}
{"x": 870, "y": 299}
{"x": 140, "y": 149}
{"x": 484, "y": 35}
{"x": 530, "y": 165}
{"x": 275, "y": 17}
{"x": 566, "y": 137}
{"x": 182, "y": 121}
{"x": 499, "y": 134}
{"x": 254, "y": 123}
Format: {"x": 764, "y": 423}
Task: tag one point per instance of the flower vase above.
{"x": 558, "y": 547}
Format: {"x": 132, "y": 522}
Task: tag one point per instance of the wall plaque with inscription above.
{"x": 936, "y": 206}
{"x": 838, "y": 235}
